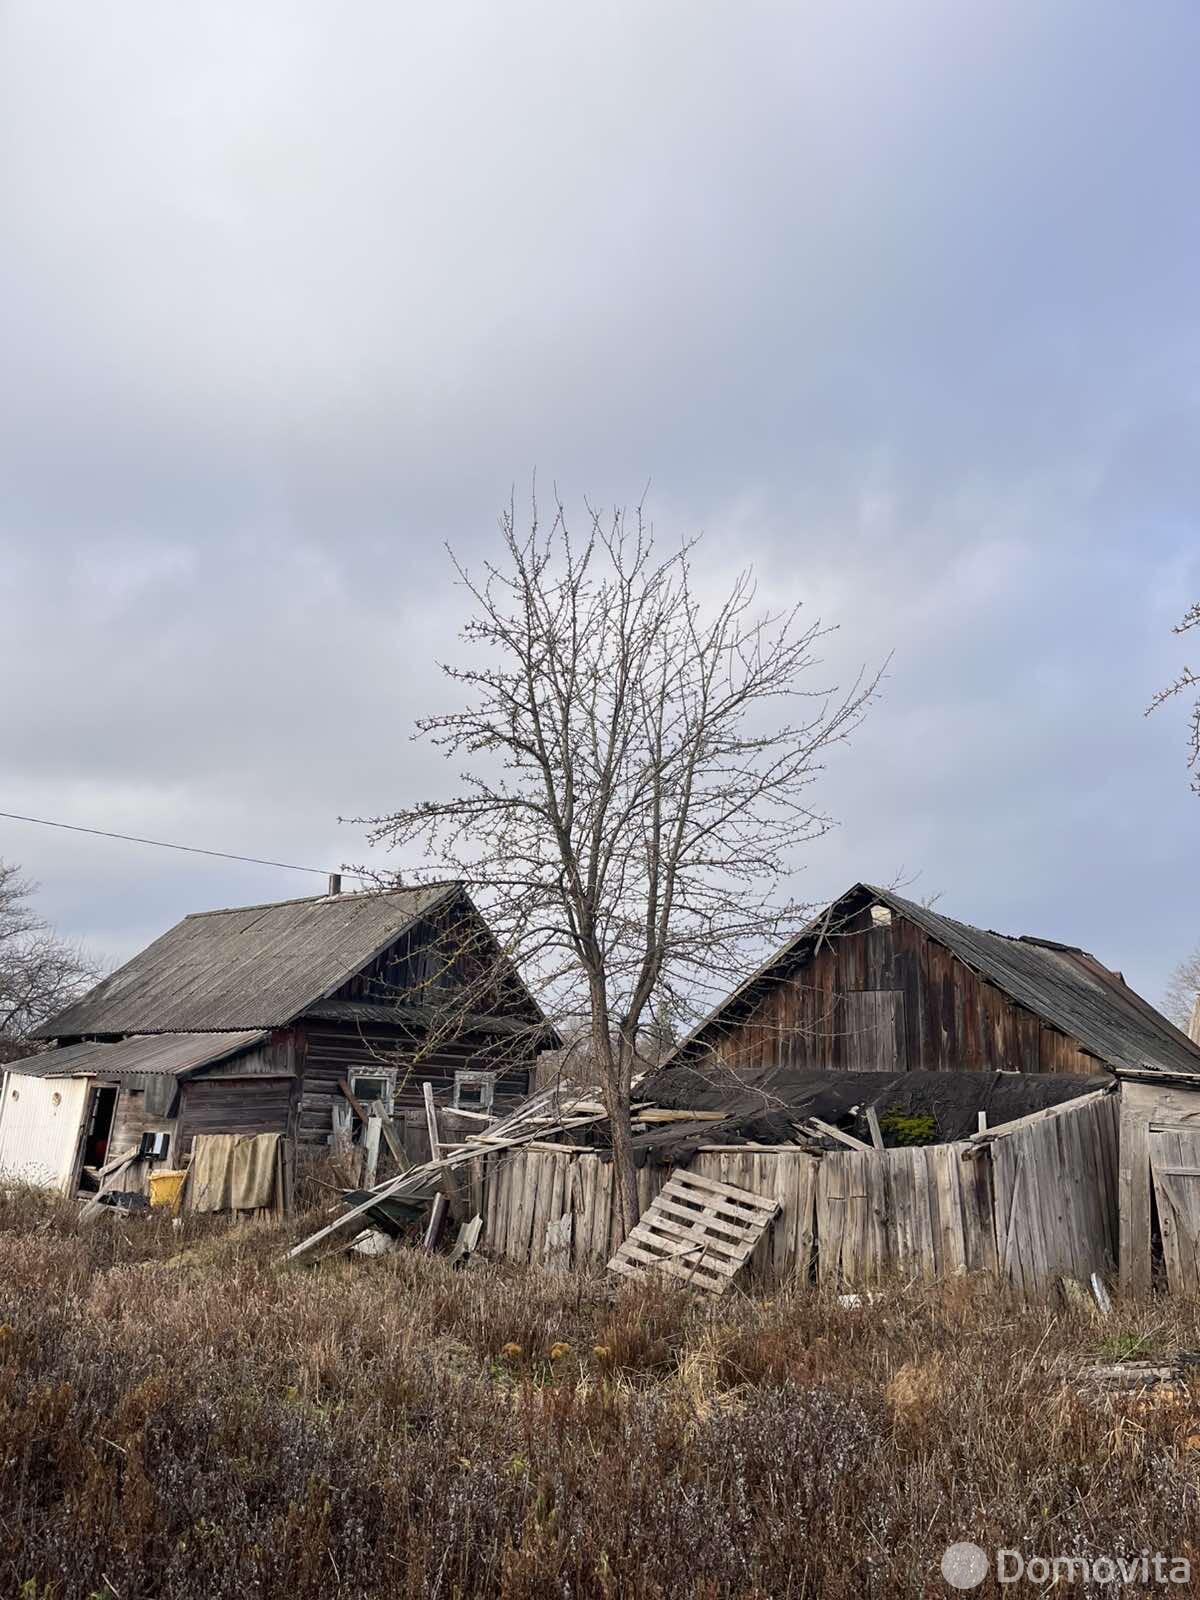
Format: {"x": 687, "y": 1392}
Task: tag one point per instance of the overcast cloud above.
{"x": 897, "y": 301}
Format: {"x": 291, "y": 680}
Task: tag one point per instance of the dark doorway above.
{"x": 102, "y": 1103}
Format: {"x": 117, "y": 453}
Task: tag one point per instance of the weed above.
{"x": 182, "y": 1418}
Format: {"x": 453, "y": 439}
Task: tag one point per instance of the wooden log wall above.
{"x": 231, "y": 1105}
{"x": 1035, "y": 1205}
{"x": 887, "y": 997}
{"x": 332, "y": 1051}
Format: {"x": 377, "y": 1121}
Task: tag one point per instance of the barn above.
{"x": 261, "y": 1020}
{"x": 879, "y": 983}
{"x": 912, "y": 1095}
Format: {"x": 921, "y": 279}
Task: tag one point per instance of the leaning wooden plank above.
{"x": 355, "y": 1104}
{"x": 371, "y": 1145}
{"x": 431, "y": 1122}
{"x": 467, "y": 1241}
{"x": 831, "y": 1132}
{"x": 394, "y": 1145}
{"x": 436, "y": 1218}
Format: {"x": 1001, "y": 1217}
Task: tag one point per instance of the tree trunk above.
{"x": 616, "y": 1101}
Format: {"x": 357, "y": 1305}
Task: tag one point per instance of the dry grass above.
{"x": 179, "y": 1417}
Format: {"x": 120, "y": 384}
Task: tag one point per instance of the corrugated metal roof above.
{"x": 1064, "y": 986}
{"x": 158, "y": 1053}
{"x": 247, "y": 967}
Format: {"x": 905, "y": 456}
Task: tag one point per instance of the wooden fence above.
{"x": 1036, "y": 1203}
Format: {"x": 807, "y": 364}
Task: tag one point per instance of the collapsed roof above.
{"x": 769, "y": 1105}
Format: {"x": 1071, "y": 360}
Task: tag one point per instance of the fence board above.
{"x": 1033, "y": 1205}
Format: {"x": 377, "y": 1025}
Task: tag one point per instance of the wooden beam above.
{"x": 371, "y": 1144}
{"x": 437, "y": 1216}
{"x": 831, "y": 1132}
{"x": 394, "y": 1145}
{"x": 435, "y": 1144}
{"x": 355, "y": 1104}
{"x": 876, "y": 1131}
{"x": 657, "y": 1114}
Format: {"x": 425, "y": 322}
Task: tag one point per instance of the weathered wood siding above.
{"x": 130, "y": 1121}
{"x": 527, "y": 1191}
{"x": 1160, "y": 1173}
{"x": 1038, "y": 1204}
{"x": 1055, "y": 1185}
{"x": 886, "y": 997}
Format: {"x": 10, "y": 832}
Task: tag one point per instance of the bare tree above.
{"x": 39, "y": 972}
{"x": 641, "y": 773}
{"x": 1183, "y": 987}
{"x": 1184, "y": 684}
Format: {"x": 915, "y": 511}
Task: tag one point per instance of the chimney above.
{"x": 335, "y": 883}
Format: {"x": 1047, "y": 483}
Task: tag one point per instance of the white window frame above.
{"x": 486, "y": 1083}
{"x": 386, "y": 1101}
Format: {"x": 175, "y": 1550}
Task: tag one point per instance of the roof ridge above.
{"x": 995, "y": 933}
{"x": 312, "y": 899}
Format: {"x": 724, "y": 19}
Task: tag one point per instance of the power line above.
{"x": 161, "y": 844}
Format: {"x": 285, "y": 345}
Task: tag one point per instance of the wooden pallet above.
{"x": 696, "y": 1231}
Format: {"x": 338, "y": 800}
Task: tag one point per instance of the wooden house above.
{"x": 257, "y": 1019}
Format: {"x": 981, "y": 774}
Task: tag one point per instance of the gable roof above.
{"x": 1063, "y": 985}
{"x": 246, "y": 967}
{"x": 161, "y": 1054}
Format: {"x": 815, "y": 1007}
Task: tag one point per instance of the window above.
{"x": 375, "y": 1091}
{"x": 474, "y": 1091}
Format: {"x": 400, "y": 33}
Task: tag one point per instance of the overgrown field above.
{"x": 179, "y": 1417}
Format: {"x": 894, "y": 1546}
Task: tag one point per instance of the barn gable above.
{"x": 877, "y": 982}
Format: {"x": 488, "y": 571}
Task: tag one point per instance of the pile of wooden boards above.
{"x": 551, "y": 1111}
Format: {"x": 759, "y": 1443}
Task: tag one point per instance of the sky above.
{"x": 896, "y": 302}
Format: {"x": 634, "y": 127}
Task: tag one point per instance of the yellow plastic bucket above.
{"x": 166, "y": 1188}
